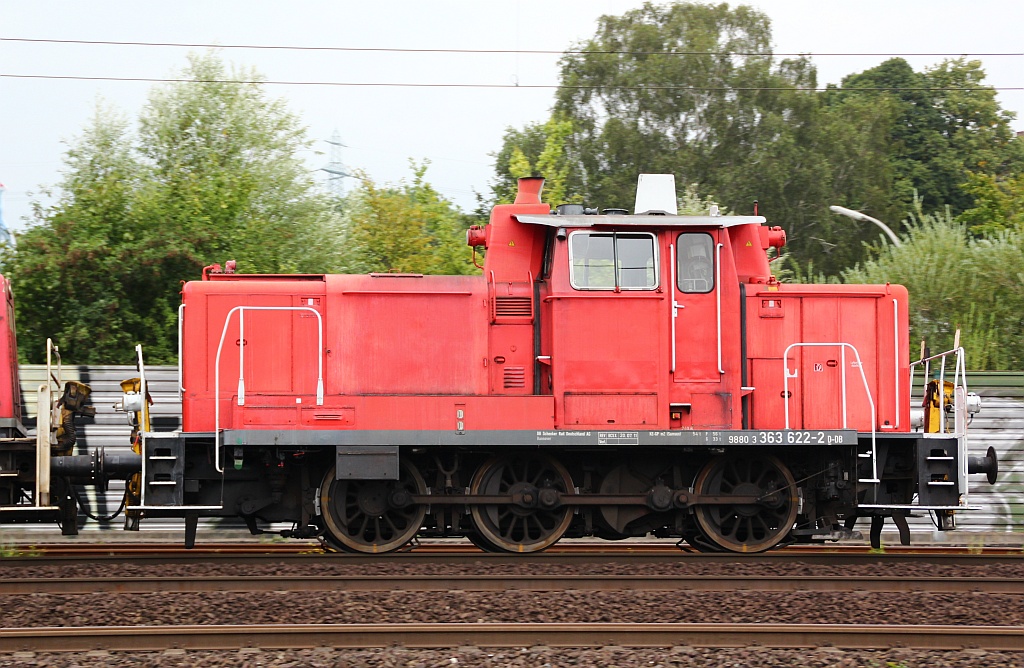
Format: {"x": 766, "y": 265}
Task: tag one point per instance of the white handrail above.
{"x": 959, "y": 399}
{"x": 896, "y": 355}
{"x": 241, "y": 364}
{"x": 673, "y": 304}
{"x": 959, "y": 373}
{"x": 867, "y": 389}
{"x": 144, "y": 424}
{"x": 718, "y": 301}
{"x": 181, "y": 326}
{"x": 241, "y": 357}
{"x": 51, "y": 349}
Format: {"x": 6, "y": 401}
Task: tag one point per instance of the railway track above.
{"x": 203, "y": 597}
{"x": 215, "y": 637}
{"x": 491, "y": 583}
{"x": 465, "y": 548}
{"x": 113, "y": 557}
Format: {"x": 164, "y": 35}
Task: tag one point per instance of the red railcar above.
{"x": 17, "y": 453}
{"x": 604, "y": 375}
{"x": 10, "y": 389}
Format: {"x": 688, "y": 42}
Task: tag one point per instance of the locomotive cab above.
{"x": 638, "y": 321}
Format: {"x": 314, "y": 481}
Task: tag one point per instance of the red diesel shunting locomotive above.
{"x": 610, "y": 375}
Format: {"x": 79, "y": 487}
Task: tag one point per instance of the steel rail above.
{"x": 279, "y": 636}
{"x": 505, "y": 582}
{"x": 164, "y": 549}
{"x": 467, "y": 558}
{"x": 459, "y": 547}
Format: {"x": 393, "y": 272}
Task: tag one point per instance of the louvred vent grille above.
{"x": 513, "y": 307}
{"x": 515, "y": 376}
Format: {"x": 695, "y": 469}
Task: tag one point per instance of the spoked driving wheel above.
{"x": 535, "y": 519}
{"x": 372, "y": 515}
{"x": 747, "y": 527}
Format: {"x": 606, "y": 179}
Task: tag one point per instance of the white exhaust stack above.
{"x": 656, "y": 194}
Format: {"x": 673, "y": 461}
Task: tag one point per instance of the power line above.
{"x": 384, "y": 84}
{"x": 543, "y": 52}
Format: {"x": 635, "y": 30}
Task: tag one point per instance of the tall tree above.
{"x": 226, "y": 170}
{"x": 538, "y": 149}
{"x": 65, "y": 267}
{"x": 665, "y": 89}
{"x": 998, "y": 203}
{"x": 946, "y": 124}
{"x": 957, "y": 281}
{"x": 695, "y": 90}
{"x": 408, "y": 227}
{"x": 212, "y": 174}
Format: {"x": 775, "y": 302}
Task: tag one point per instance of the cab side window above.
{"x": 610, "y": 260}
{"x": 696, "y": 263}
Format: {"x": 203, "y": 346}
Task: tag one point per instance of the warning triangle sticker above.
{"x": 512, "y": 243}
{"x": 749, "y": 244}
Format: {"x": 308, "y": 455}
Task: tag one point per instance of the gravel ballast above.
{"x": 341, "y": 607}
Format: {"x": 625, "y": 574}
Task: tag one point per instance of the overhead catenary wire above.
{"x": 408, "y": 84}
{"x": 514, "y": 85}
{"x": 545, "y": 52}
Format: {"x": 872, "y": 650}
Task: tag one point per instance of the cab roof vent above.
{"x": 656, "y": 194}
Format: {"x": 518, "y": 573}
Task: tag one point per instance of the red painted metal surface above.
{"x": 693, "y": 337}
{"x": 10, "y": 389}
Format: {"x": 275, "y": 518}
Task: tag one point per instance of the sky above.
{"x": 456, "y": 129}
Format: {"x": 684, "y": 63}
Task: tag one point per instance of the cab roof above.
{"x": 643, "y": 220}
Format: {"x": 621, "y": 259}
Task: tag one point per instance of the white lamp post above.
{"x": 864, "y": 218}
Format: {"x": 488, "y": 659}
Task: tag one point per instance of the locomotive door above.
{"x": 606, "y": 369}
{"x": 278, "y": 346}
{"x": 697, "y": 355}
{"x": 696, "y": 329}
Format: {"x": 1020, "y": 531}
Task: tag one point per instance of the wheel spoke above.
{"x": 765, "y": 527}
{"x": 525, "y": 477}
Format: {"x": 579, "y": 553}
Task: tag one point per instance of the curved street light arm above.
{"x": 864, "y": 218}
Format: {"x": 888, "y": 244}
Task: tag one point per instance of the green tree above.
{"x": 63, "y": 267}
{"x": 957, "y": 281}
{"x": 212, "y": 174}
{"x": 692, "y": 203}
{"x": 695, "y": 90}
{"x": 226, "y": 172}
{"x": 946, "y": 124}
{"x": 998, "y": 203}
{"x": 407, "y": 227}
{"x": 538, "y": 150}
{"x": 691, "y": 89}
{"x": 688, "y": 89}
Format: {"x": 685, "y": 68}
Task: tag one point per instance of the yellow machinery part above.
{"x": 140, "y": 423}
{"x": 75, "y": 396}
{"x": 934, "y": 403}
{"x": 140, "y": 419}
